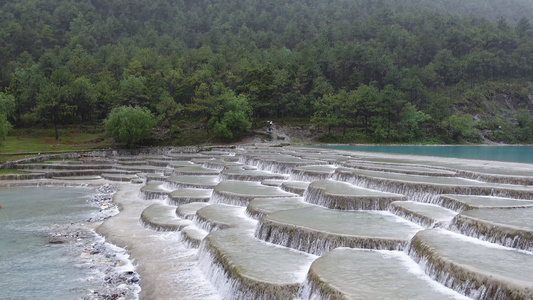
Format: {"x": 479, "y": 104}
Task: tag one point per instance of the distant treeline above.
{"x": 375, "y": 71}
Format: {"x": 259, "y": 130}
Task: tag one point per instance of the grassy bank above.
{"x": 27, "y": 142}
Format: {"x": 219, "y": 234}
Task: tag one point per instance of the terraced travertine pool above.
{"x": 260, "y": 222}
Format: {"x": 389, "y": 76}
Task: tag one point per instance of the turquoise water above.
{"x": 31, "y": 267}
{"x": 523, "y": 154}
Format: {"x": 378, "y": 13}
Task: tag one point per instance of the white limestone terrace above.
{"x": 242, "y": 192}
{"x": 192, "y": 181}
{"x": 188, "y": 195}
{"x": 179, "y": 163}
{"x": 195, "y": 170}
{"x": 260, "y": 207}
{"x": 188, "y": 211}
{"x": 330, "y": 158}
{"x": 189, "y": 156}
{"x": 493, "y": 271}
{"x": 489, "y": 171}
{"x": 345, "y": 196}
{"x": 154, "y": 190}
{"x": 424, "y": 214}
{"x": 243, "y": 267}
{"x": 277, "y": 163}
{"x": 461, "y": 203}
{"x": 249, "y": 175}
{"x": 217, "y": 255}
{"x": 318, "y": 230}
{"x": 223, "y": 216}
{"x": 312, "y": 173}
{"x": 420, "y": 187}
{"x": 145, "y": 169}
{"x": 399, "y": 168}
{"x": 163, "y": 217}
{"x": 217, "y": 163}
{"x": 296, "y": 187}
{"x": 511, "y": 227}
{"x": 346, "y": 273}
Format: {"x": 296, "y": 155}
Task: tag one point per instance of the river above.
{"x": 522, "y": 154}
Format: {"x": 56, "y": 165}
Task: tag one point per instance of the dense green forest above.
{"x": 357, "y": 70}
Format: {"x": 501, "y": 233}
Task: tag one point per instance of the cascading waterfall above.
{"x": 311, "y": 289}
{"x": 493, "y": 178}
{"x": 319, "y": 243}
{"x": 448, "y": 202}
{"x": 230, "y": 284}
{"x": 472, "y": 267}
{"x": 207, "y": 225}
{"x": 192, "y": 237}
{"x": 419, "y": 219}
{"x": 318, "y": 196}
{"x": 252, "y": 177}
{"x": 422, "y": 192}
{"x": 503, "y": 235}
{"x": 437, "y": 271}
{"x": 230, "y": 199}
{"x": 293, "y": 189}
{"x": 303, "y": 175}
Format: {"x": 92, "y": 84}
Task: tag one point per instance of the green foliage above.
{"x": 235, "y": 119}
{"x": 460, "y": 127}
{"x": 7, "y": 105}
{"x": 5, "y": 127}
{"x": 524, "y": 131}
{"x": 378, "y": 69}
{"x": 130, "y": 125}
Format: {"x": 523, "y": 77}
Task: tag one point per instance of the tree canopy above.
{"x": 130, "y": 125}
{"x": 383, "y": 71}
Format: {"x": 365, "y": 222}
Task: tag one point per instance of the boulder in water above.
{"x": 57, "y": 240}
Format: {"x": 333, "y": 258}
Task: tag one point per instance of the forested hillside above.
{"x": 357, "y": 70}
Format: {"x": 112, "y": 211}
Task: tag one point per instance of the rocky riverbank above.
{"x": 111, "y": 275}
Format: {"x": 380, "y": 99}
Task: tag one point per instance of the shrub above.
{"x": 130, "y": 125}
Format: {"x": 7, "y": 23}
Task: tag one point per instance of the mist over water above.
{"x": 31, "y": 267}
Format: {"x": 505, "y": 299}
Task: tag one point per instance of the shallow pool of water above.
{"x": 31, "y": 267}
{"x": 522, "y": 154}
